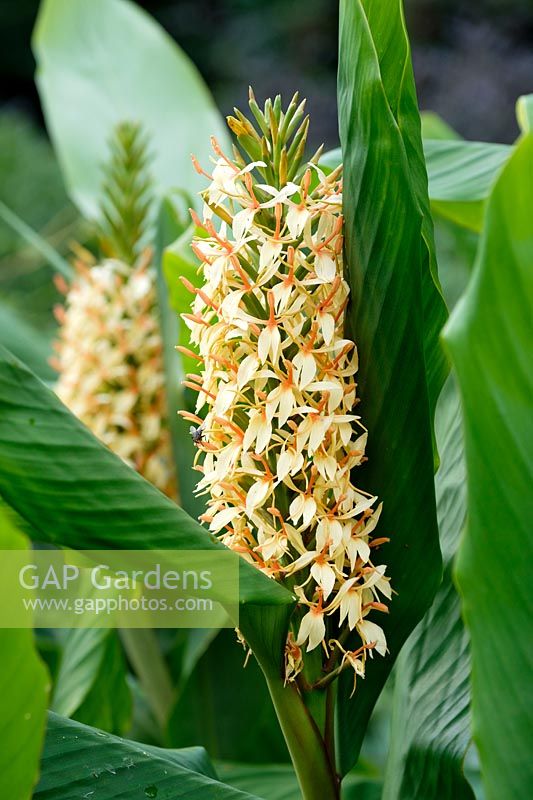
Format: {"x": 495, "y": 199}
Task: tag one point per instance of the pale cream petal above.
{"x": 251, "y": 431}
{"x": 268, "y": 252}
{"x": 283, "y": 465}
{"x": 296, "y": 220}
{"x": 354, "y": 608}
{"x": 327, "y": 326}
{"x": 257, "y": 495}
{"x": 312, "y": 629}
{"x": 247, "y": 369}
{"x": 324, "y": 575}
{"x": 325, "y": 267}
{"x": 264, "y": 434}
{"x": 306, "y": 365}
{"x": 370, "y": 632}
{"x": 242, "y": 222}
{"x": 223, "y": 518}
{"x": 296, "y": 508}
{"x": 309, "y": 510}
{"x": 286, "y": 406}
{"x": 263, "y": 345}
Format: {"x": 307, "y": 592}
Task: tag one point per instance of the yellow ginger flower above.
{"x": 279, "y": 438}
{"x": 109, "y": 354}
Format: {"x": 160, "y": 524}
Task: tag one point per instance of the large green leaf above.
{"x": 74, "y": 492}
{"x": 101, "y": 62}
{"x": 434, "y": 127}
{"x": 383, "y": 47}
{"x": 388, "y": 269}
{"x": 82, "y": 762}
{"x": 391, "y": 46}
{"x": 456, "y": 252}
{"x": 431, "y": 717}
{"x": 489, "y": 336}
{"x": 431, "y": 722}
{"x": 77, "y": 493}
{"x": 270, "y": 781}
{"x": 460, "y": 178}
{"x": 91, "y": 682}
{"x": 24, "y": 687}
{"x": 278, "y": 782}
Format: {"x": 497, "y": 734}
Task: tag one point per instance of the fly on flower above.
{"x": 197, "y": 434}
{"x": 277, "y": 383}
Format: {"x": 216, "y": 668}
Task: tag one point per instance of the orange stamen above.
{"x": 191, "y": 417}
{"x": 198, "y": 168}
{"x": 186, "y": 352}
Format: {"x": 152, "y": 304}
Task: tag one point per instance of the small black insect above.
{"x": 197, "y": 434}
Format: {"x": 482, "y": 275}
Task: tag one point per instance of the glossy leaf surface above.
{"x": 392, "y": 292}
{"x": 489, "y": 336}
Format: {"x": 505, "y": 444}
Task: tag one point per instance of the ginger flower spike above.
{"x": 109, "y": 353}
{"x": 277, "y": 389}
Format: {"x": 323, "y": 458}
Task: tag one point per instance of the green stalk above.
{"x": 307, "y": 749}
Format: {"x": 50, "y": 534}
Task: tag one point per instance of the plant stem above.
{"x": 314, "y": 768}
{"x": 144, "y": 654}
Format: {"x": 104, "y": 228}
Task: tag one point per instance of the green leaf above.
{"x": 384, "y": 46}
{"x": 399, "y": 101}
{"x": 143, "y": 650}
{"x": 226, "y": 690}
{"x": 24, "y": 686}
{"x": 77, "y": 493}
{"x": 460, "y": 178}
{"x": 524, "y": 112}
{"x": 389, "y": 272}
{"x": 79, "y": 762}
{"x": 278, "y": 782}
{"x": 189, "y": 648}
{"x": 91, "y": 683}
{"x": 391, "y": 44}
{"x": 179, "y": 261}
{"x": 434, "y": 127}
{"x": 270, "y": 781}
{"x": 25, "y": 341}
{"x": 431, "y": 717}
{"x": 101, "y": 62}
{"x": 489, "y": 337}
{"x": 36, "y": 241}
{"x": 456, "y": 251}
{"x": 31, "y": 184}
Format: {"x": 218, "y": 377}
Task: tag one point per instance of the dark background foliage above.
{"x": 472, "y": 59}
